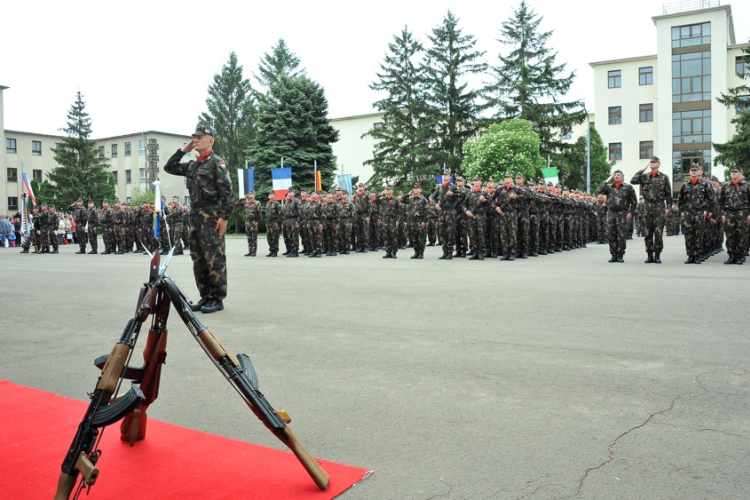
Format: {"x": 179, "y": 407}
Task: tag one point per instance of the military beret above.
{"x": 519, "y": 175}
{"x": 617, "y": 172}
{"x": 736, "y": 169}
{"x": 290, "y": 190}
{"x": 202, "y": 129}
{"x": 416, "y": 185}
{"x": 655, "y": 159}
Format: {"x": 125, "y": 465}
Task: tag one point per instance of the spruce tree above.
{"x": 529, "y": 84}
{"x": 401, "y": 150}
{"x": 736, "y": 151}
{"x": 82, "y": 173}
{"x": 293, "y": 124}
{"x": 453, "y": 107}
{"x": 281, "y": 61}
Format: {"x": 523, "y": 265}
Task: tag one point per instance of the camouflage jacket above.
{"x": 315, "y": 211}
{"x": 417, "y": 208}
{"x": 656, "y": 189}
{"x": 252, "y": 210}
{"x": 362, "y": 203}
{"x": 446, "y": 196}
{"x": 390, "y": 207}
{"x": 274, "y": 213}
{"x": 503, "y": 200}
{"x": 696, "y": 196}
{"x": 346, "y": 210}
{"x": 80, "y": 216}
{"x": 331, "y": 210}
{"x": 734, "y": 196}
{"x": 107, "y": 218}
{"x": 619, "y": 198}
{"x": 207, "y": 181}
{"x": 92, "y": 219}
{"x": 478, "y": 202}
{"x": 292, "y": 209}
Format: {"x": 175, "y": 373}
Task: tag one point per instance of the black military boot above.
{"x": 620, "y": 258}
{"x": 613, "y": 258}
{"x": 480, "y": 256}
{"x": 657, "y": 258}
{"x": 271, "y": 254}
{"x": 81, "y": 251}
{"x": 443, "y": 257}
{"x": 421, "y": 255}
{"x": 731, "y": 260}
{"x": 690, "y": 260}
{"x": 740, "y": 260}
{"x": 248, "y": 254}
{"x": 388, "y": 256}
{"x": 650, "y": 258}
{"x": 474, "y": 256}
{"x": 415, "y": 256}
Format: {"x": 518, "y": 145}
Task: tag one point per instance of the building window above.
{"x": 646, "y": 149}
{"x": 377, "y": 125}
{"x": 12, "y": 174}
{"x": 615, "y": 115}
{"x": 691, "y": 77}
{"x": 683, "y": 160}
{"x": 114, "y": 150}
{"x": 691, "y": 126}
{"x": 128, "y": 200}
{"x": 187, "y": 201}
{"x": 615, "y": 151}
{"x": 114, "y": 176}
{"x": 101, "y": 151}
{"x": 142, "y": 175}
{"x": 127, "y": 149}
{"x": 128, "y": 178}
{"x": 141, "y": 147}
{"x": 741, "y": 66}
{"x": 687, "y": 36}
{"x": 567, "y": 134}
{"x": 614, "y": 79}
{"x": 646, "y": 75}
{"x": 646, "y": 113}
{"x": 12, "y": 203}
{"x": 743, "y": 104}
{"x": 10, "y": 145}
{"x": 36, "y": 148}
{"x": 37, "y": 175}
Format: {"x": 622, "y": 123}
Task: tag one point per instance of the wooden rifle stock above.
{"x": 312, "y": 467}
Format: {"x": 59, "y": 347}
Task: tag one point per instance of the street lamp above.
{"x": 588, "y": 151}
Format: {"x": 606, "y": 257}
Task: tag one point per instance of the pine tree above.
{"x": 401, "y": 149}
{"x": 82, "y": 173}
{"x": 529, "y": 84}
{"x": 453, "y": 107}
{"x": 737, "y": 150}
{"x": 293, "y": 125}
{"x": 281, "y": 61}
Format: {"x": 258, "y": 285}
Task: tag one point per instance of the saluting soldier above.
{"x": 92, "y": 226}
{"x": 657, "y": 193}
{"x": 621, "y": 203}
{"x": 475, "y": 207}
{"x": 252, "y": 211}
{"x": 80, "y": 216}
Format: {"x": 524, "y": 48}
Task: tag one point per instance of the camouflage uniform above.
{"x": 507, "y": 199}
{"x": 80, "y": 216}
{"x": 274, "y": 219}
{"x": 52, "y": 226}
{"x": 252, "y": 219}
{"x": 432, "y": 223}
{"x": 621, "y": 201}
{"x": 304, "y": 208}
{"x": 447, "y": 201}
{"x": 291, "y": 227}
{"x": 657, "y": 193}
{"x": 695, "y": 200}
{"x": 118, "y": 225}
{"x": 346, "y": 220}
{"x": 417, "y": 209}
{"x": 362, "y": 205}
{"x": 136, "y": 227}
{"x": 734, "y": 205}
{"x": 315, "y": 227}
{"x": 462, "y": 222}
{"x": 331, "y": 226}
{"x": 389, "y": 218}
{"x": 92, "y": 221}
{"x": 211, "y": 197}
{"x": 174, "y": 218}
{"x": 107, "y": 223}
{"x": 478, "y": 203}
{"x": 374, "y": 226}
{"x": 147, "y": 230}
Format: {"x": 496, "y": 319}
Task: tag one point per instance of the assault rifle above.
{"x": 107, "y": 408}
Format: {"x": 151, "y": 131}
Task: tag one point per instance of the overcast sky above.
{"x": 147, "y": 65}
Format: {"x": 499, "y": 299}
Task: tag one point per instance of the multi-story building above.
{"x": 665, "y": 104}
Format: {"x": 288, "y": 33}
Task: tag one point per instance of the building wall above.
{"x": 3, "y": 166}
{"x": 352, "y": 150}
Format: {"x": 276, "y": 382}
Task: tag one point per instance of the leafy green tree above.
{"x": 402, "y": 148}
{"x": 454, "y": 108}
{"x": 44, "y": 192}
{"x": 82, "y": 173}
{"x": 737, "y": 150}
{"x": 511, "y": 145}
{"x": 572, "y": 164}
{"x": 281, "y": 61}
{"x": 232, "y": 114}
{"x": 293, "y": 125}
{"x": 529, "y": 84}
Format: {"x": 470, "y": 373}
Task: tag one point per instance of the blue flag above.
{"x": 246, "y": 178}
{"x": 345, "y": 182}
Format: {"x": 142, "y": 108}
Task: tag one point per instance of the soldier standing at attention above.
{"x": 734, "y": 205}
{"x": 252, "y": 218}
{"x": 362, "y": 221}
{"x": 417, "y": 209}
{"x": 476, "y": 206}
{"x": 174, "y": 217}
{"x": 211, "y": 196}
{"x": 389, "y": 220}
{"x": 291, "y": 224}
{"x": 621, "y": 203}
{"x": 92, "y": 223}
{"x": 107, "y": 229}
{"x": 274, "y": 219}
{"x": 79, "y": 215}
{"x": 695, "y": 201}
{"x": 657, "y": 193}
{"x": 446, "y": 206}
{"x": 315, "y": 224}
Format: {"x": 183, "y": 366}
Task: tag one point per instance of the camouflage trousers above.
{"x": 345, "y": 234}
{"x": 119, "y": 232}
{"x": 137, "y": 239}
{"x": 447, "y": 228}
{"x": 360, "y": 231}
{"x": 524, "y": 231}
{"x": 418, "y": 235}
{"x": 315, "y": 233}
{"x": 81, "y": 237}
{"x": 273, "y": 231}
{"x": 534, "y": 233}
{"x": 477, "y": 230}
{"x": 291, "y": 235}
{"x": 330, "y": 235}
{"x": 492, "y": 239}
{"x": 108, "y": 237}
{"x": 653, "y": 227}
{"x": 52, "y": 238}
{"x": 163, "y": 234}
{"x": 251, "y": 231}
{"x": 736, "y": 229}
{"x": 543, "y": 231}
{"x": 176, "y": 230}
{"x": 693, "y": 227}
{"x": 390, "y": 236}
{"x": 462, "y": 232}
{"x": 432, "y": 225}
{"x": 304, "y": 234}
{"x": 374, "y": 232}
{"x": 207, "y": 250}
{"x": 92, "y": 239}
{"x": 617, "y": 227}
{"x": 509, "y": 235}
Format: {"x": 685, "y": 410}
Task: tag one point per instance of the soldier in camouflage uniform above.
{"x": 373, "y": 229}
{"x": 136, "y": 227}
{"x": 734, "y": 205}
{"x": 417, "y": 206}
{"x": 211, "y": 198}
{"x": 535, "y": 203}
{"x": 507, "y": 199}
{"x": 52, "y": 226}
{"x": 274, "y": 220}
{"x": 621, "y": 203}
{"x": 494, "y": 221}
{"x": 174, "y": 219}
{"x": 291, "y": 224}
{"x": 331, "y": 225}
{"x": 346, "y": 221}
{"x": 185, "y": 226}
{"x": 657, "y": 193}
{"x": 315, "y": 224}
{"x": 462, "y": 220}
{"x": 147, "y": 228}
{"x": 391, "y": 208}
{"x": 252, "y": 210}
{"x": 304, "y": 205}
{"x": 107, "y": 220}
{"x": 92, "y": 223}
{"x": 695, "y": 201}
{"x": 118, "y": 228}
{"x": 362, "y": 220}
{"x": 128, "y": 236}
{"x": 79, "y": 215}
{"x": 432, "y": 222}
{"x": 43, "y": 234}
{"x": 476, "y": 205}
{"x": 447, "y": 200}
{"x": 524, "y": 221}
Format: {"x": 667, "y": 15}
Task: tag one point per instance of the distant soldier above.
{"x": 147, "y": 228}
{"x": 331, "y": 225}
{"x": 174, "y": 218}
{"x": 291, "y": 224}
{"x": 274, "y": 220}
{"x": 362, "y": 220}
{"x": 52, "y": 226}
{"x": 185, "y": 227}
{"x": 118, "y": 224}
{"x": 432, "y": 222}
{"x": 657, "y": 193}
{"x": 417, "y": 210}
{"x": 391, "y": 206}
{"x": 475, "y": 207}
{"x": 107, "y": 222}
{"x": 447, "y": 200}
{"x": 80, "y": 217}
{"x": 304, "y": 206}
{"x": 346, "y": 222}
{"x": 136, "y": 226}
{"x": 462, "y": 220}
{"x": 695, "y": 201}
{"x": 621, "y": 203}
{"x": 315, "y": 224}
{"x": 252, "y": 211}
{"x": 507, "y": 199}
{"x": 734, "y": 205}
{"x": 373, "y": 229}
{"x": 92, "y": 227}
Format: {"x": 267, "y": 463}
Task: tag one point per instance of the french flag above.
{"x": 282, "y": 181}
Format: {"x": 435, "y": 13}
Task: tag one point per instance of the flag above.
{"x": 282, "y": 181}
{"x": 26, "y": 225}
{"x": 27, "y": 184}
{"x": 439, "y": 179}
{"x": 318, "y": 181}
{"x": 550, "y": 175}
{"x": 246, "y": 178}
{"x": 345, "y": 182}
{"x": 157, "y": 208}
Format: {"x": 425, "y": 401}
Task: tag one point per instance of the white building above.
{"x": 352, "y": 150}
{"x": 665, "y": 104}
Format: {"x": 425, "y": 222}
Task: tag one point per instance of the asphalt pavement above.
{"x": 556, "y": 377}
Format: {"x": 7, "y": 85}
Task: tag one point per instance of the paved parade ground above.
{"x": 555, "y": 377}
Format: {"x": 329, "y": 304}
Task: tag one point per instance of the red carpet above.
{"x": 36, "y": 429}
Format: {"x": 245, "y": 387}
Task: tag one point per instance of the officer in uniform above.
{"x": 657, "y": 193}
{"x": 211, "y": 196}
{"x": 274, "y": 220}
{"x": 92, "y": 223}
{"x": 734, "y": 205}
{"x": 621, "y": 203}
{"x": 79, "y": 215}
{"x": 252, "y": 211}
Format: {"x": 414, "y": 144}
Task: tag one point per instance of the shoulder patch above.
{"x": 223, "y": 165}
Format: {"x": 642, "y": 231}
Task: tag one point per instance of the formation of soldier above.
{"x": 123, "y": 228}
